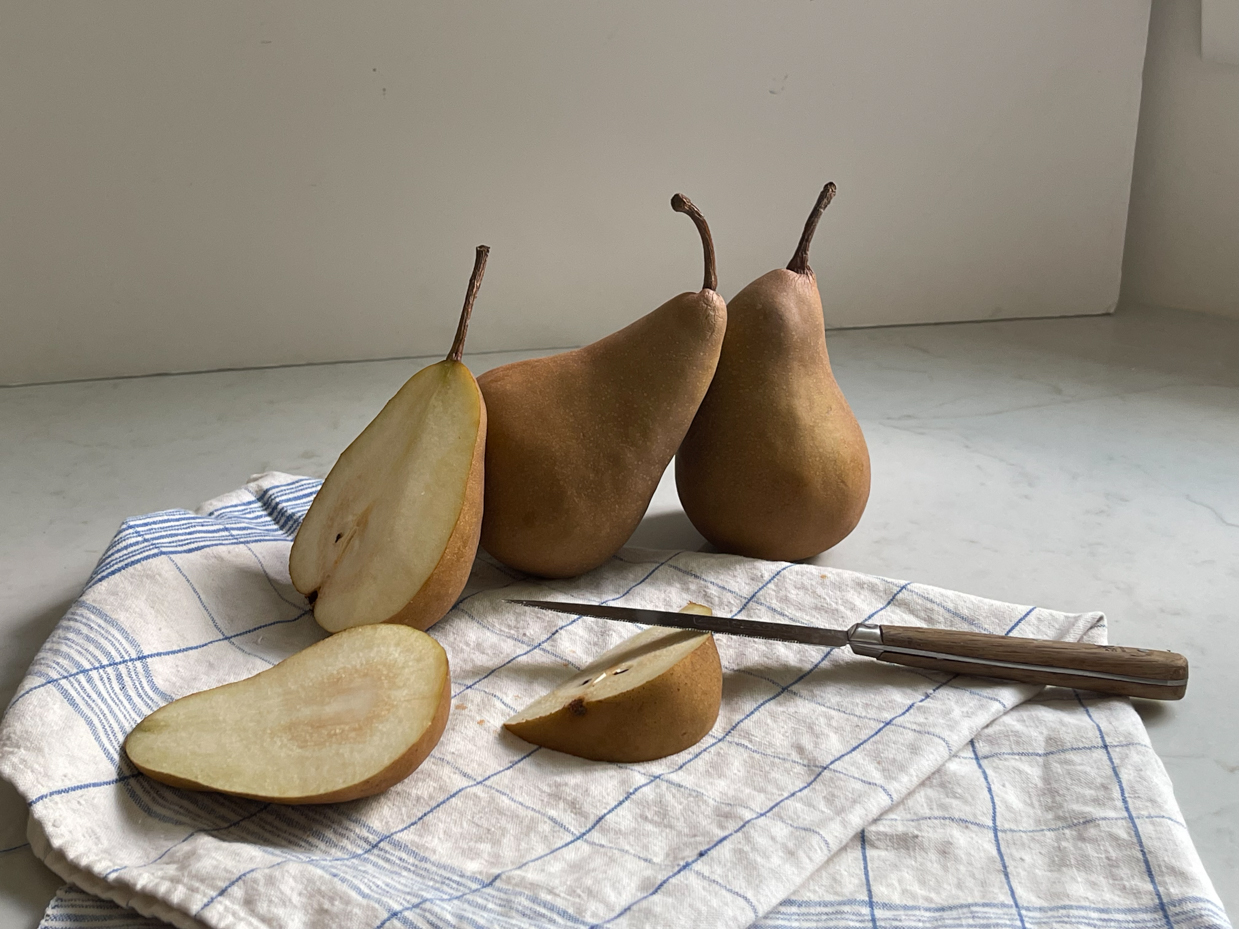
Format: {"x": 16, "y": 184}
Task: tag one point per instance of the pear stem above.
{"x": 475, "y": 284}
{"x": 800, "y": 260}
{"x": 681, "y": 204}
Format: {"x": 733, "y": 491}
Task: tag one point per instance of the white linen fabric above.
{"x": 833, "y": 790}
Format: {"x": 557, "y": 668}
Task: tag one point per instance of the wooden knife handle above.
{"x": 1051, "y": 662}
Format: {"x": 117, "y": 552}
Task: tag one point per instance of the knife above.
{"x": 1111, "y": 669}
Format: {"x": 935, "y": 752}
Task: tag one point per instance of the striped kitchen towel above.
{"x": 833, "y": 790}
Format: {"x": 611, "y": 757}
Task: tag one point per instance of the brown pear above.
{"x": 775, "y": 465}
{"x": 392, "y": 533}
{"x": 577, "y": 442}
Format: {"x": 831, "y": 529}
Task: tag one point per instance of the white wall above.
{"x": 1183, "y": 230}
{"x": 189, "y": 186}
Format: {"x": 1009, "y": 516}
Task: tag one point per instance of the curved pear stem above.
{"x": 681, "y": 204}
{"x": 475, "y": 284}
{"x": 800, "y": 260}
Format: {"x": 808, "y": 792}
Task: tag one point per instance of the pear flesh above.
{"x": 392, "y": 533}
{"x": 655, "y": 694}
{"x": 345, "y": 718}
{"x": 775, "y": 465}
{"x": 577, "y": 442}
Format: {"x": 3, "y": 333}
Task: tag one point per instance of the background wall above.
{"x": 1183, "y": 230}
{"x": 192, "y": 186}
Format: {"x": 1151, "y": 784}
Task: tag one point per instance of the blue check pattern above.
{"x": 832, "y": 791}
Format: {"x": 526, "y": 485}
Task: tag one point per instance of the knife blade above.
{"x": 1133, "y": 672}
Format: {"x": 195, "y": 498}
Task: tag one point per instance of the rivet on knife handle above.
{"x": 1112, "y": 669}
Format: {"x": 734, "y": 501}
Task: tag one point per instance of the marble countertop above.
{"x": 1078, "y": 464}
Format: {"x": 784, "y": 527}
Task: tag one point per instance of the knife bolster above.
{"x": 866, "y": 640}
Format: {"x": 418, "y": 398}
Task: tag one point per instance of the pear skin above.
{"x": 775, "y": 465}
{"x": 392, "y": 533}
{"x": 577, "y": 442}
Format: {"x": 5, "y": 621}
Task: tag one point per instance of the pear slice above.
{"x": 345, "y": 718}
{"x": 392, "y": 534}
{"x": 653, "y": 695}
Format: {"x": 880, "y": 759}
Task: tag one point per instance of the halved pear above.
{"x": 392, "y": 534}
{"x": 345, "y": 718}
{"x": 654, "y": 694}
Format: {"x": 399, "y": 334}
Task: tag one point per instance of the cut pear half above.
{"x": 654, "y": 694}
{"x": 345, "y": 718}
{"x": 392, "y": 533}
{"x": 402, "y": 505}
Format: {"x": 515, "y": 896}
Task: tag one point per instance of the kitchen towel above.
{"x": 833, "y": 790}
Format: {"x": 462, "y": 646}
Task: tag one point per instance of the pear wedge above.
{"x": 345, "y": 718}
{"x": 775, "y": 465}
{"x": 654, "y": 694}
{"x": 392, "y": 534}
{"x": 578, "y": 441}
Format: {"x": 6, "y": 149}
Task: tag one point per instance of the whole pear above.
{"x": 775, "y": 465}
{"x": 577, "y": 442}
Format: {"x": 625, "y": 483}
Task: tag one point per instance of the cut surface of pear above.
{"x": 402, "y": 503}
{"x": 655, "y": 694}
{"x": 392, "y": 534}
{"x": 345, "y": 718}
{"x": 577, "y": 442}
{"x": 775, "y": 465}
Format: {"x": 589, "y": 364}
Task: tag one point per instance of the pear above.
{"x": 345, "y": 718}
{"x": 654, "y": 694}
{"x": 775, "y": 465}
{"x": 392, "y": 534}
{"x": 578, "y": 441}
